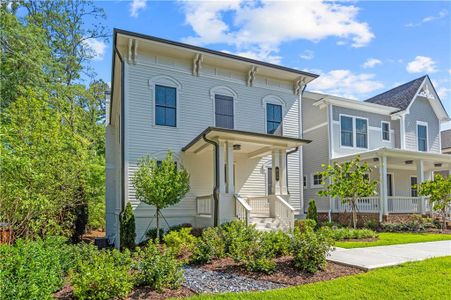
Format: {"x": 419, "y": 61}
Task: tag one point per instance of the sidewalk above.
{"x": 384, "y": 256}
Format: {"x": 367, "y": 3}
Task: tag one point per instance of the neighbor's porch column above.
{"x": 283, "y": 172}
{"x": 230, "y": 173}
{"x": 383, "y": 191}
{"x": 221, "y": 172}
{"x": 420, "y": 179}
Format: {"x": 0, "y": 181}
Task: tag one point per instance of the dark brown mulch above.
{"x": 90, "y": 236}
{"x": 285, "y": 272}
{"x": 64, "y": 294}
{"x": 147, "y": 293}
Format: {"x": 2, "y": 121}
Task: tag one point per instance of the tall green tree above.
{"x": 348, "y": 182}
{"x": 439, "y": 193}
{"x": 160, "y": 185}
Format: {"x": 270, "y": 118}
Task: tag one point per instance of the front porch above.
{"x": 250, "y": 172}
{"x": 397, "y": 172}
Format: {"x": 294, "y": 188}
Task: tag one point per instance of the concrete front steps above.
{"x": 265, "y": 223}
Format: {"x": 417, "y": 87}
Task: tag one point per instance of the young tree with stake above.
{"x": 160, "y": 185}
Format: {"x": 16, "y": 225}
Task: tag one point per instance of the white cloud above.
{"x": 307, "y": 54}
{"x": 449, "y": 71}
{"x": 371, "y": 63}
{"x": 261, "y": 26}
{"x": 345, "y": 83}
{"x": 96, "y": 47}
{"x": 136, "y": 6}
{"x": 442, "y": 14}
{"x": 422, "y": 64}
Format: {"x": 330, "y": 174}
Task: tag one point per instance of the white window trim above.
{"x": 421, "y": 123}
{"x": 382, "y": 131}
{"x": 276, "y": 100}
{"x": 312, "y": 182}
{"x": 224, "y": 91}
{"x": 168, "y": 81}
{"x": 354, "y": 132}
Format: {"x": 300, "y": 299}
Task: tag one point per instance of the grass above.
{"x": 389, "y": 238}
{"x": 429, "y": 279}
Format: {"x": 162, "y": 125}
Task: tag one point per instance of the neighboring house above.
{"x": 397, "y": 133}
{"x": 446, "y": 141}
{"x": 234, "y": 123}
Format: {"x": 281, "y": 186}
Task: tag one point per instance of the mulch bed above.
{"x": 285, "y": 273}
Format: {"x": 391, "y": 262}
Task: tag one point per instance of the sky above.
{"x": 359, "y": 48}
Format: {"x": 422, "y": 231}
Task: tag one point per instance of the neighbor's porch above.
{"x": 237, "y": 162}
{"x": 397, "y": 171}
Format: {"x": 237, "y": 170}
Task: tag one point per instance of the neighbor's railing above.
{"x": 397, "y": 204}
{"x": 283, "y": 211}
{"x": 204, "y": 205}
{"x": 260, "y": 205}
{"x": 242, "y": 209}
{"x": 364, "y": 204}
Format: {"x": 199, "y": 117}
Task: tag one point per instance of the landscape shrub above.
{"x": 158, "y": 269}
{"x": 310, "y": 249}
{"x": 210, "y": 245}
{"x": 179, "y": 227}
{"x": 416, "y": 224}
{"x": 278, "y": 242}
{"x": 103, "y": 274}
{"x": 372, "y": 224}
{"x": 331, "y": 224}
{"x": 34, "y": 269}
{"x": 351, "y": 233}
{"x": 181, "y": 243}
{"x": 312, "y": 213}
{"x": 127, "y": 230}
{"x": 239, "y": 239}
{"x": 151, "y": 234}
{"x": 305, "y": 224}
{"x": 260, "y": 259}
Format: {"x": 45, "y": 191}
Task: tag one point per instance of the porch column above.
{"x": 383, "y": 194}
{"x": 230, "y": 173}
{"x": 283, "y": 172}
{"x": 221, "y": 167}
{"x": 420, "y": 179}
{"x": 275, "y": 164}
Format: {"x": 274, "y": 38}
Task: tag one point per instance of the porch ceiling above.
{"x": 403, "y": 159}
{"x": 251, "y": 143}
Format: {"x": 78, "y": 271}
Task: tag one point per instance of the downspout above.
{"x": 216, "y": 187}
{"x": 286, "y": 163}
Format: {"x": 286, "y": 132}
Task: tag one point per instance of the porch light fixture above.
{"x": 376, "y": 159}
{"x": 237, "y": 147}
{"x": 437, "y": 165}
{"x": 409, "y": 162}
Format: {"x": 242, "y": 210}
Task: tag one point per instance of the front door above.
{"x": 389, "y": 185}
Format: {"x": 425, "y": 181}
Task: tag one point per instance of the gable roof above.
{"x": 446, "y": 139}
{"x": 400, "y": 96}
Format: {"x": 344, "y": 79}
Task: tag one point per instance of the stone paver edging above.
{"x": 384, "y": 256}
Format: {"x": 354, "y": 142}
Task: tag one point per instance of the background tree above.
{"x": 439, "y": 193}
{"x": 312, "y": 212}
{"x": 160, "y": 185}
{"x": 348, "y": 182}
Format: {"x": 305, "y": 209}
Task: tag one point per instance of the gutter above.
{"x": 216, "y": 187}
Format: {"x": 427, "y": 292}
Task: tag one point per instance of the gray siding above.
{"x": 421, "y": 110}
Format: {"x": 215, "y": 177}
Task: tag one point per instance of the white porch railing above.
{"x": 260, "y": 206}
{"x": 404, "y": 204}
{"x": 283, "y": 211}
{"x": 204, "y": 205}
{"x": 242, "y": 209}
{"x": 364, "y": 204}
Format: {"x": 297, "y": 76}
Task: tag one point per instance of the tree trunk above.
{"x": 444, "y": 219}
{"x": 158, "y": 225}
{"x": 354, "y": 213}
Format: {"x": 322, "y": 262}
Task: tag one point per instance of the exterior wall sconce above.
{"x": 277, "y": 174}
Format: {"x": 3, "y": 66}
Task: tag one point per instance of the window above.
{"x": 389, "y": 185}
{"x": 385, "y": 127}
{"x": 346, "y": 131}
{"x": 273, "y": 119}
{"x": 317, "y": 180}
{"x": 305, "y": 181}
{"x": 165, "y": 106}
{"x": 361, "y": 133}
{"x": 413, "y": 187}
{"x": 224, "y": 111}
{"x": 422, "y": 136}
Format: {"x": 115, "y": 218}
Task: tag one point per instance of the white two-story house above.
{"x": 233, "y": 123}
{"x": 397, "y": 133}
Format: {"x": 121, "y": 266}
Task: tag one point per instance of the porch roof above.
{"x": 249, "y": 142}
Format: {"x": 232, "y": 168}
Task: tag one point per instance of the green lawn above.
{"x": 388, "y": 238}
{"x": 429, "y": 279}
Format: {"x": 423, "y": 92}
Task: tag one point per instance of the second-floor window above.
{"x": 422, "y": 137}
{"x": 274, "y": 119}
{"x": 353, "y": 132}
{"x": 361, "y": 133}
{"x": 224, "y": 111}
{"x": 385, "y": 131}
{"x": 165, "y": 106}
{"x": 346, "y": 131}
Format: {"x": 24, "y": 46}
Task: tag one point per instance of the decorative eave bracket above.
{"x": 251, "y": 75}
{"x": 299, "y": 85}
{"x": 425, "y": 92}
{"x": 197, "y": 64}
{"x": 132, "y": 51}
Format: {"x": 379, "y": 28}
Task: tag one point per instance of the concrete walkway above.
{"x": 384, "y": 256}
